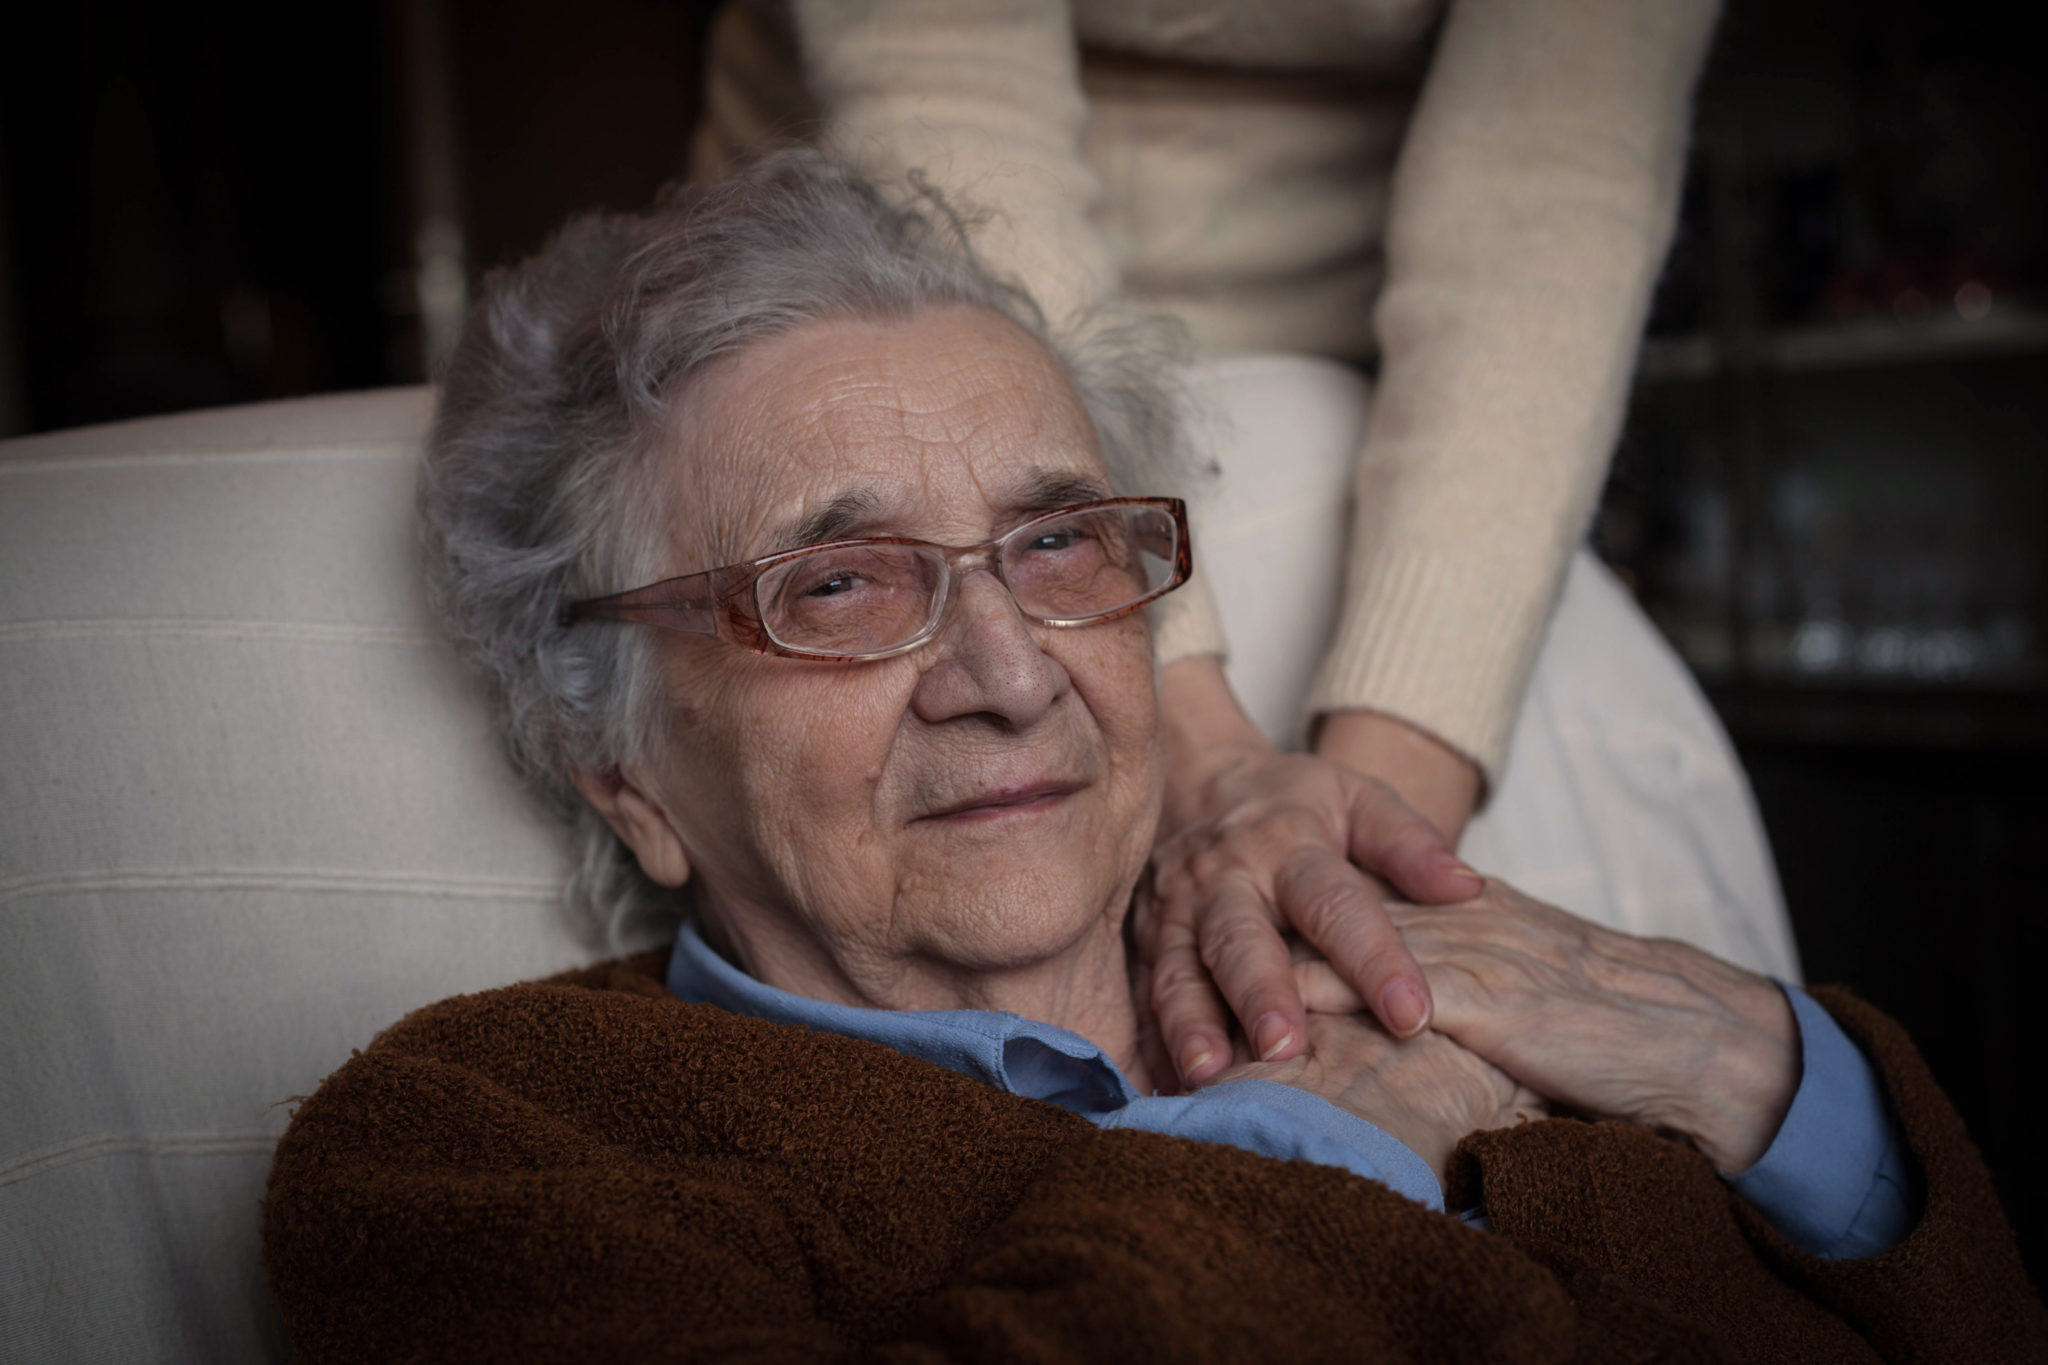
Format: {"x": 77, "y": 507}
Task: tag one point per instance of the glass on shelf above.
{"x": 1884, "y": 531}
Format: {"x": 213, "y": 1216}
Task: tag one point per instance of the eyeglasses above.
{"x": 882, "y": 595}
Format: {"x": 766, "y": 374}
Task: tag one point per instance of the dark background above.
{"x": 1832, "y": 492}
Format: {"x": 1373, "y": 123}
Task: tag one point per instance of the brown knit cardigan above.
{"x": 589, "y": 1169}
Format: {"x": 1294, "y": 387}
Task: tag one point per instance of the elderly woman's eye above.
{"x": 836, "y": 584}
{"x": 833, "y": 578}
{"x": 1065, "y": 538}
{"x": 852, "y": 599}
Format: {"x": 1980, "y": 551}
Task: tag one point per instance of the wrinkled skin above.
{"x": 958, "y": 826}
{"x": 1258, "y": 845}
{"x": 1651, "y": 1031}
{"x": 1427, "y": 1091}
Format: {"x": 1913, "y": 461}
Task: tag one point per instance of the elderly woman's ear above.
{"x": 640, "y": 821}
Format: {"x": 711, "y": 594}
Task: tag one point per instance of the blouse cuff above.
{"x": 1837, "y": 1180}
{"x": 1290, "y": 1124}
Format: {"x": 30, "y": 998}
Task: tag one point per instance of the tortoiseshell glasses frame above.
{"x": 871, "y": 598}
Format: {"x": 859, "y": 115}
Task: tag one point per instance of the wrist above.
{"x": 1433, "y": 778}
{"x": 1428, "y": 1140}
{"x": 1361, "y": 1095}
{"x": 1742, "y": 1099}
{"x": 1431, "y": 1145}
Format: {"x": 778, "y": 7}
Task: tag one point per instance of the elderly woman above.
{"x": 883, "y": 715}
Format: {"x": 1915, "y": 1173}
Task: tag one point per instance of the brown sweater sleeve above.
{"x": 1621, "y": 1214}
{"x": 592, "y": 1170}
{"x": 547, "y": 1172}
{"x": 550, "y": 1172}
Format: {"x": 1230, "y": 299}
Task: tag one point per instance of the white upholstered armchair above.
{"x": 251, "y": 810}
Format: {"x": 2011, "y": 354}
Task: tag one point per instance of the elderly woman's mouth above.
{"x": 1001, "y": 802}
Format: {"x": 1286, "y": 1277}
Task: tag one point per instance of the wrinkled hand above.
{"x": 1426, "y": 1091}
{"x": 1649, "y": 1030}
{"x": 1275, "y": 843}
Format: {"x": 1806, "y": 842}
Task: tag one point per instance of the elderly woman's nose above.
{"x": 989, "y": 661}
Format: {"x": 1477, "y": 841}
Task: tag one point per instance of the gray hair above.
{"x": 534, "y": 490}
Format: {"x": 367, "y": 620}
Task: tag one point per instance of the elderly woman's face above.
{"x": 981, "y": 802}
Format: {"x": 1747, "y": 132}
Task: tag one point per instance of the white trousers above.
{"x": 1621, "y": 799}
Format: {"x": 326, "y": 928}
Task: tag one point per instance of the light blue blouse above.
{"x": 1837, "y": 1181}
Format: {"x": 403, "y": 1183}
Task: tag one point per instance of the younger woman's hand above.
{"x": 1256, "y": 845}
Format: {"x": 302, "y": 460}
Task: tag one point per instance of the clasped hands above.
{"x": 1267, "y": 932}
{"x": 1535, "y": 1007}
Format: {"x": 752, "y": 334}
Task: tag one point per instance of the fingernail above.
{"x": 1445, "y": 861}
{"x": 1194, "y": 1057}
{"x": 1271, "y": 1034}
{"x": 1403, "y": 1008}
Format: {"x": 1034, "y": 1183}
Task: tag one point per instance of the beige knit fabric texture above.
{"x": 1480, "y": 192}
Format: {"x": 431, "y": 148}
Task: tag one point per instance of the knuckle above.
{"x": 1413, "y": 836}
{"x": 1384, "y": 959}
{"x": 1208, "y": 864}
{"x": 1238, "y": 933}
{"x": 1178, "y": 978}
{"x": 1375, "y": 791}
{"x": 1239, "y": 947}
{"x": 1332, "y": 910}
{"x": 1324, "y": 896}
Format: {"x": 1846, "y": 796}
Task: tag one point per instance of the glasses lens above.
{"x": 857, "y": 600}
{"x": 1075, "y": 565}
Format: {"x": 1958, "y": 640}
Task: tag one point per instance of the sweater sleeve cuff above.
{"x": 1837, "y": 1180}
{"x": 1429, "y": 643}
{"x": 1291, "y": 1124}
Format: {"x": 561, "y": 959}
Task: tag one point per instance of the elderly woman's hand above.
{"x": 1649, "y": 1030}
{"x": 1258, "y": 844}
{"x": 1426, "y": 1091}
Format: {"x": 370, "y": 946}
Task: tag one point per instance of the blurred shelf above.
{"x": 1835, "y": 346}
{"x": 1888, "y": 715}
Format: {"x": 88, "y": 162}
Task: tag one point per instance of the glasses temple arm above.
{"x": 688, "y": 604}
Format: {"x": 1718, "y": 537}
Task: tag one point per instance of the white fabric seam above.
{"x": 103, "y": 1145}
{"x": 277, "y": 879}
{"x": 406, "y": 448}
{"x": 212, "y": 628}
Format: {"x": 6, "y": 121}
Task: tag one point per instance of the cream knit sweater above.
{"x": 1480, "y": 192}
